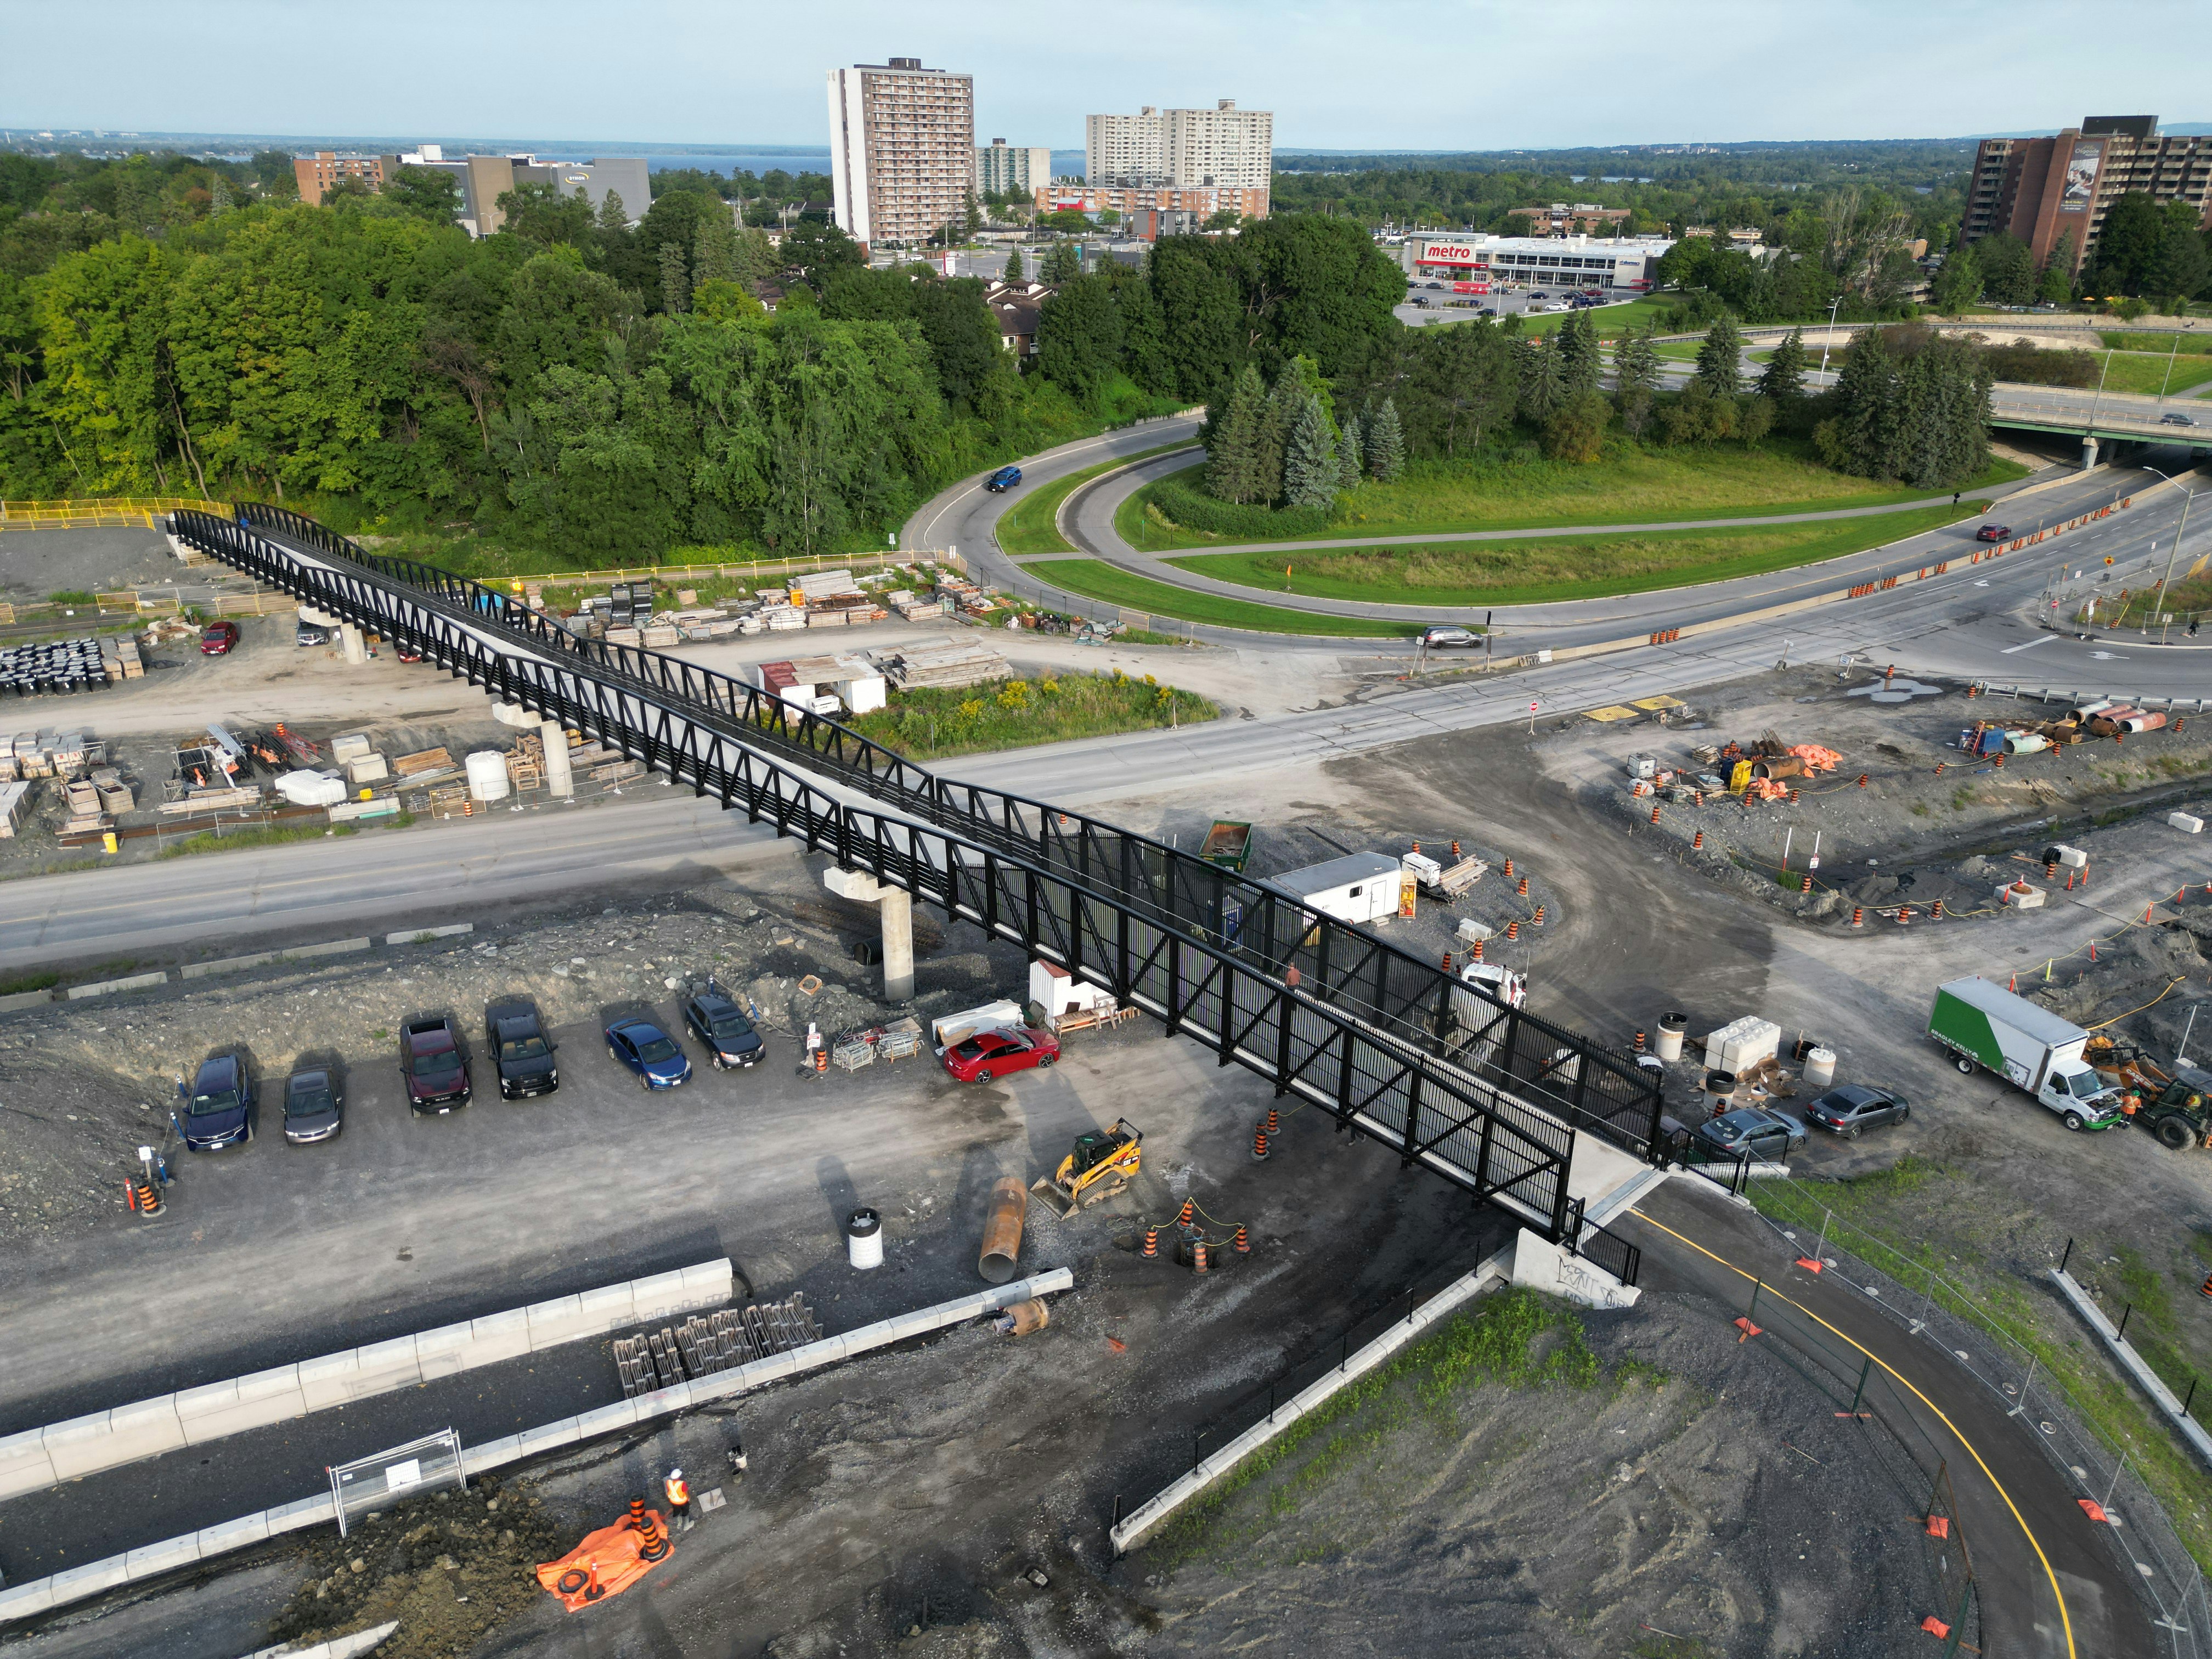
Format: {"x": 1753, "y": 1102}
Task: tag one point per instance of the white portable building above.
{"x": 1357, "y": 888}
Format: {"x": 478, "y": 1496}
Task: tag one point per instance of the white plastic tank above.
{"x": 1820, "y": 1068}
{"x": 488, "y": 775}
{"x": 864, "y": 1239}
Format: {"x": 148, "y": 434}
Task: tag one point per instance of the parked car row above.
{"x": 219, "y": 1108}
{"x": 1761, "y": 1132}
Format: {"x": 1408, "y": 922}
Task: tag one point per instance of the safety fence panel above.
{"x": 385, "y": 1478}
{"x": 1160, "y": 929}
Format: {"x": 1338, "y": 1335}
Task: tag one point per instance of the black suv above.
{"x": 722, "y": 1026}
{"x": 520, "y": 1052}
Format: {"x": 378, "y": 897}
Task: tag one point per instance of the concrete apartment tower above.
{"x": 1004, "y": 169}
{"x": 902, "y": 150}
{"x": 2046, "y": 191}
{"x": 1224, "y": 149}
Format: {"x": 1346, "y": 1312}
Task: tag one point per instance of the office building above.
{"x": 1549, "y": 262}
{"x": 484, "y": 179}
{"x": 1171, "y": 211}
{"x": 1224, "y": 149}
{"x": 1583, "y": 218}
{"x": 1002, "y": 169}
{"x": 317, "y": 173}
{"x": 2046, "y": 190}
{"x": 902, "y": 150}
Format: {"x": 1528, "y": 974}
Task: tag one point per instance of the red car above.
{"x": 986, "y": 1055}
{"x": 217, "y": 638}
{"x": 1994, "y": 532}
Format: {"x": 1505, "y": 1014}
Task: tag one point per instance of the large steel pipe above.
{"x": 1002, "y": 1231}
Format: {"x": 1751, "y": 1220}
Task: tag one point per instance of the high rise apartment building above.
{"x": 2046, "y": 189}
{"x": 901, "y": 149}
{"x": 1221, "y": 148}
{"x": 1004, "y": 169}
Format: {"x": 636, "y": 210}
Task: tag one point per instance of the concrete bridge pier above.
{"x": 2089, "y": 453}
{"x": 895, "y": 906}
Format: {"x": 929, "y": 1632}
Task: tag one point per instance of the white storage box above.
{"x": 1741, "y": 1044}
{"x": 2186, "y": 823}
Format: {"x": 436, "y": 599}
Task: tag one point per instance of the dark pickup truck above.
{"x": 431, "y": 1060}
{"x": 520, "y": 1052}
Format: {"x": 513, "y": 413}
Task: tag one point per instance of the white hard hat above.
{"x": 675, "y": 1475}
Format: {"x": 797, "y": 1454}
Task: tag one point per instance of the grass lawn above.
{"x": 1539, "y": 570}
{"x": 2185, "y": 345}
{"x": 1095, "y": 578}
{"x": 1611, "y": 319}
{"x": 1632, "y": 484}
{"x": 932, "y": 722}
{"x": 1919, "y": 1215}
{"x": 1030, "y": 527}
{"x": 2192, "y": 597}
{"x": 2148, "y": 373}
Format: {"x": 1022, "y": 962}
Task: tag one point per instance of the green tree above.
{"x": 1720, "y": 358}
{"x": 1013, "y": 272}
{"x": 1062, "y": 262}
{"x": 1957, "y": 284}
{"x": 675, "y": 280}
{"x": 431, "y": 193}
{"x": 1232, "y": 441}
{"x": 2180, "y": 268}
{"x": 812, "y": 249}
{"x": 1755, "y": 421}
{"x": 1783, "y": 381}
{"x": 1578, "y": 353}
{"x": 1079, "y": 339}
{"x": 1575, "y": 430}
{"x": 2056, "y": 286}
{"x": 1542, "y": 382}
{"x": 542, "y": 216}
{"x": 2007, "y": 269}
{"x": 974, "y": 375}
{"x": 2129, "y": 242}
{"x": 1386, "y": 445}
{"x": 1699, "y": 415}
{"x": 1636, "y": 365}
{"x": 1309, "y": 473}
{"x": 1350, "y": 457}
{"x": 1465, "y": 382}
{"x": 613, "y": 217}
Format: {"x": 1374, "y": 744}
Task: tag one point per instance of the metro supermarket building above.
{"x": 1621, "y": 266}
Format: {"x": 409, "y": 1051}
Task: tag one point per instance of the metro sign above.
{"x": 1449, "y": 253}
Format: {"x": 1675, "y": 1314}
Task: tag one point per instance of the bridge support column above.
{"x": 2089, "y": 453}
{"x": 355, "y": 646}
{"x": 895, "y": 906}
{"x": 560, "y": 776}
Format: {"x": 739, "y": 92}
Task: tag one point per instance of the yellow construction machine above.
{"x": 1100, "y": 1166}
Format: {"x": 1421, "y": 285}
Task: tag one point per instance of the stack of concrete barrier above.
{"x": 146, "y": 1428}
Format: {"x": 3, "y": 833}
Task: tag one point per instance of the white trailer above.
{"x": 1359, "y": 887}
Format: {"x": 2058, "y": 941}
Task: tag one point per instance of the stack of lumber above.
{"x": 913, "y": 609}
{"x": 423, "y": 766}
{"x": 781, "y": 618}
{"x": 129, "y": 665}
{"x": 13, "y": 797}
{"x": 115, "y": 795}
{"x": 85, "y": 818}
{"x": 941, "y": 662}
{"x": 826, "y": 585}
{"x": 658, "y": 635}
{"x": 213, "y": 800}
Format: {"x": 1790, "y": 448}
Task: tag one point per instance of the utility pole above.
{"x": 2166, "y": 586}
{"x": 1828, "y": 339}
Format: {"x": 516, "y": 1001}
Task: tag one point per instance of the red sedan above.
{"x": 217, "y": 638}
{"x": 986, "y": 1055}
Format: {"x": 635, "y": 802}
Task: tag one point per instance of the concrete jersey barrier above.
{"x": 39, "y": 1458}
{"x": 81, "y": 1584}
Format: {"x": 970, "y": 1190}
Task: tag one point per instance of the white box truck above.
{"x": 1987, "y": 1027}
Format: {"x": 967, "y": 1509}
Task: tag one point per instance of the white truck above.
{"x": 1987, "y": 1027}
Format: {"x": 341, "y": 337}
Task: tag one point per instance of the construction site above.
{"x": 1169, "y": 1191}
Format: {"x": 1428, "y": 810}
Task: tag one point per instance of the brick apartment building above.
{"x": 2040, "y": 189}
{"x": 902, "y": 150}
{"x": 316, "y": 173}
{"x": 1583, "y": 219}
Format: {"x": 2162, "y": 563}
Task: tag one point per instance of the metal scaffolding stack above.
{"x": 705, "y": 1344}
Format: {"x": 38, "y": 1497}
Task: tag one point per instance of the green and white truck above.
{"x": 1987, "y": 1027}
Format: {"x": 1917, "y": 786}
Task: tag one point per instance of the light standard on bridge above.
{"x": 1829, "y": 337}
{"x": 2166, "y": 582}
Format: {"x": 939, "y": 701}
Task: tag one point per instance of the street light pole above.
{"x": 2166, "y": 587}
{"x": 1828, "y": 338}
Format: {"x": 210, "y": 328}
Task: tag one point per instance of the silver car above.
{"x": 1753, "y": 1129}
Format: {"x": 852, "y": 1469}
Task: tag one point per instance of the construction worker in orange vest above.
{"x": 679, "y": 1500}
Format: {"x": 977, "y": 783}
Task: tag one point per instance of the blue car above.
{"x": 1005, "y": 478}
{"x": 217, "y": 1106}
{"x": 649, "y": 1052}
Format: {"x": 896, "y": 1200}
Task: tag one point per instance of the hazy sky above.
{"x": 1438, "y": 74}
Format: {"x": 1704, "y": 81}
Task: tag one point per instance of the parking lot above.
{"x": 1443, "y": 305}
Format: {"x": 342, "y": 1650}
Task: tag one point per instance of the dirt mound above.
{"x": 449, "y": 1568}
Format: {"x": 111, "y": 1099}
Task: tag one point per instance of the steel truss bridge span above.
{"x": 1488, "y": 1096}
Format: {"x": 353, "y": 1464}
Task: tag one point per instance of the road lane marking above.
{"x": 2065, "y": 1619}
{"x": 2030, "y": 645}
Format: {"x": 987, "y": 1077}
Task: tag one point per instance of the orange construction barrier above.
{"x": 607, "y": 1562}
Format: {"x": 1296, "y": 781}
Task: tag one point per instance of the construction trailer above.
{"x": 1359, "y": 887}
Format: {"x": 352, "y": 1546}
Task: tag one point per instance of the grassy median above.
{"x": 1632, "y": 484}
{"x": 1539, "y": 570}
{"x": 1095, "y": 578}
{"x": 1032, "y": 526}
{"x": 931, "y": 722}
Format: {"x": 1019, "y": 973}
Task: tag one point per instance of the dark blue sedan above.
{"x": 648, "y": 1052}
{"x": 1005, "y": 478}
{"x": 218, "y": 1106}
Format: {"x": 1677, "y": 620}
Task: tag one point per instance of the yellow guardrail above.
{"x": 116, "y": 511}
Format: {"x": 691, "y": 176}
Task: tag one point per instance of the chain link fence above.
{"x": 2169, "y": 1583}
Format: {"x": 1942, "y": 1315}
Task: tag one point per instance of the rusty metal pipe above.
{"x": 1025, "y": 1317}
{"x": 1002, "y": 1231}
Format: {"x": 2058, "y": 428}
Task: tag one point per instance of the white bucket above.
{"x": 1820, "y": 1068}
{"x": 1670, "y": 1036}
{"x": 864, "y": 1239}
{"x": 487, "y": 770}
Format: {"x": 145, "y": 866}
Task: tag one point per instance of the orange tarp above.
{"x": 613, "y": 1551}
{"x": 1816, "y": 758}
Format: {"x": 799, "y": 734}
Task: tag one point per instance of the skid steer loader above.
{"x": 1100, "y": 1166}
